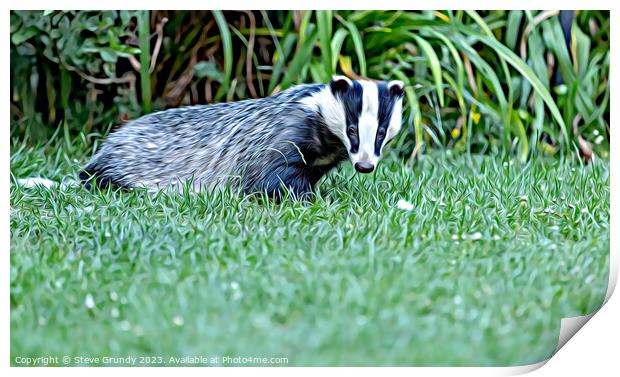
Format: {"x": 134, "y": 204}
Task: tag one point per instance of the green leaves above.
{"x": 498, "y": 79}
{"x": 22, "y": 35}
{"x": 528, "y": 74}
{"x": 301, "y": 58}
{"x": 280, "y": 62}
{"x": 66, "y": 53}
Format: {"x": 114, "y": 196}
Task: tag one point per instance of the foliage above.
{"x": 495, "y": 81}
{"x": 71, "y": 65}
{"x": 480, "y": 273}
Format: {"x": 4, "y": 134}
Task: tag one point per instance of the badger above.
{"x": 278, "y": 145}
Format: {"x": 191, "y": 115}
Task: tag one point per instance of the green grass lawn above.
{"x": 480, "y": 272}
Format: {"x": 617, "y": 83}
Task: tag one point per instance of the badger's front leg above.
{"x": 291, "y": 180}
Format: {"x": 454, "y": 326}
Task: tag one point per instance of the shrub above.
{"x": 497, "y": 81}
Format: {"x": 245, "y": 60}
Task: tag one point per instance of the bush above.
{"x": 497, "y": 81}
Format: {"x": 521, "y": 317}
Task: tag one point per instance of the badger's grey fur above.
{"x": 285, "y": 142}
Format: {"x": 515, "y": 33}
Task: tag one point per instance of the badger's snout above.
{"x": 364, "y": 167}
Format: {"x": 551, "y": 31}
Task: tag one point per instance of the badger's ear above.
{"x": 396, "y": 88}
{"x": 340, "y": 84}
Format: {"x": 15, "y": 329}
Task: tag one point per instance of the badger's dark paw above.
{"x": 279, "y": 188}
{"x": 91, "y": 179}
{"x": 85, "y": 177}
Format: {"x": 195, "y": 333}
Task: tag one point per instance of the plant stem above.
{"x": 144, "y": 34}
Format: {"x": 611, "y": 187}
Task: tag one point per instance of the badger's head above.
{"x": 364, "y": 115}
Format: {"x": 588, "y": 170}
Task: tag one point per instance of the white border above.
{"x": 594, "y": 344}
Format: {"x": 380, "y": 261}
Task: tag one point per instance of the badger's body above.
{"x": 285, "y": 142}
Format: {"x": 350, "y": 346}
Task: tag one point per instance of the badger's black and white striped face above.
{"x": 364, "y": 115}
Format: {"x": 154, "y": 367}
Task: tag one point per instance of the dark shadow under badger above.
{"x": 283, "y": 143}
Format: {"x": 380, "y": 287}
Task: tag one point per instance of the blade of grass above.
{"x": 324, "y": 23}
{"x": 414, "y": 108}
{"x": 507, "y": 126}
{"x": 524, "y": 148}
{"x": 583, "y": 50}
{"x": 336, "y": 46}
{"x": 434, "y": 64}
{"x": 358, "y": 44}
{"x": 460, "y": 70}
{"x": 512, "y": 28}
{"x": 144, "y": 35}
{"x": 537, "y": 61}
{"x": 228, "y": 52}
{"x": 303, "y": 28}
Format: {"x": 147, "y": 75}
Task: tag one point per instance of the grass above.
{"x": 479, "y": 273}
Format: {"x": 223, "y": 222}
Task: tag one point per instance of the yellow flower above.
{"x": 475, "y": 116}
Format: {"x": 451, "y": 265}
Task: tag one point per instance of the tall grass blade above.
{"x": 324, "y": 23}
{"x": 358, "y": 44}
{"x": 336, "y": 45}
{"x": 144, "y": 35}
{"x": 435, "y": 66}
{"x": 228, "y": 52}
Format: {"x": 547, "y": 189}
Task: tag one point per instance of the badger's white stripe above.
{"x": 368, "y": 124}
{"x": 395, "y": 122}
{"x": 333, "y": 112}
{"x": 396, "y": 116}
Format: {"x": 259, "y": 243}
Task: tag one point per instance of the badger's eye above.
{"x": 381, "y": 133}
{"x": 351, "y": 130}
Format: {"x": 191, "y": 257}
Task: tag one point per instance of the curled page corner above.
{"x": 569, "y": 327}
{"x": 522, "y": 369}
